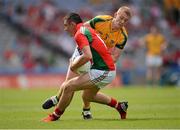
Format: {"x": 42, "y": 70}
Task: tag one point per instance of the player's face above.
{"x": 153, "y": 30}
{"x": 69, "y": 27}
{"x": 120, "y": 19}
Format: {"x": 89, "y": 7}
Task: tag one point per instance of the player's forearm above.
{"x": 79, "y": 62}
{"x": 116, "y": 54}
{"x": 115, "y": 58}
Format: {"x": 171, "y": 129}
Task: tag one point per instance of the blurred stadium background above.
{"x": 34, "y": 49}
{"x": 34, "y": 53}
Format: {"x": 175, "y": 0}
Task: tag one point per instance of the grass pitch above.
{"x": 155, "y": 108}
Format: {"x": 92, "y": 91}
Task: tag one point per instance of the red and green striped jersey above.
{"x": 102, "y": 59}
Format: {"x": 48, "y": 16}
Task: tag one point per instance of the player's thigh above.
{"x": 81, "y": 82}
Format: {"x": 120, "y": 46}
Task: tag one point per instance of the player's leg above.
{"x": 157, "y": 75}
{"x": 93, "y": 80}
{"x": 149, "y": 72}
{"x": 86, "y": 113}
{"x": 157, "y": 69}
{"x": 69, "y": 76}
{"x": 90, "y": 96}
{"x": 69, "y": 87}
{"x": 52, "y": 101}
{"x": 149, "y": 75}
{"x": 87, "y": 97}
{"x": 100, "y": 82}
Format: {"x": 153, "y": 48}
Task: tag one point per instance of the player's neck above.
{"x": 113, "y": 27}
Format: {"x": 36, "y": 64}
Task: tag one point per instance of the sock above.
{"x": 113, "y": 103}
{"x": 86, "y": 112}
{"x": 86, "y": 109}
{"x": 57, "y": 98}
{"x": 57, "y": 112}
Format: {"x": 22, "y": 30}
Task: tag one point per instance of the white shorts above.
{"x": 101, "y": 78}
{"x": 153, "y": 61}
{"x": 76, "y": 53}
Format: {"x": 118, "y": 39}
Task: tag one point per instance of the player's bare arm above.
{"x": 84, "y": 58}
{"x": 116, "y": 53}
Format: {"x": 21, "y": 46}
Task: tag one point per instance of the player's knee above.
{"x": 67, "y": 87}
{"x": 62, "y": 85}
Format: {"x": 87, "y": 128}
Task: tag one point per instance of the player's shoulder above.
{"x": 82, "y": 32}
{"x": 100, "y": 20}
{"x": 148, "y": 37}
{"x": 85, "y": 31}
{"x": 161, "y": 35}
{"x": 104, "y": 17}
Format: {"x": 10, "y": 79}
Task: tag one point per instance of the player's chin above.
{"x": 120, "y": 26}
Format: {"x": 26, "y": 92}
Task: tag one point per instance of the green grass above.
{"x": 148, "y": 108}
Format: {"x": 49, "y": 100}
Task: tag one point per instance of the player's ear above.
{"x": 73, "y": 23}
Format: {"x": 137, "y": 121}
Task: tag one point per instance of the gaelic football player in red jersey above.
{"x": 113, "y": 33}
{"x": 101, "y": 73}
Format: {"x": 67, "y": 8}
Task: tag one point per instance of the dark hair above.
{"x": 74, "y": 17}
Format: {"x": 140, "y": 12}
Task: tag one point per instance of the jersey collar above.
{"x": 112, "y": 31}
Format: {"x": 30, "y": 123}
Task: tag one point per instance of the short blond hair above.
{"x": 126, "y": 9}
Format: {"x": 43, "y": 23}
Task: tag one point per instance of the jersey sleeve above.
{"x": 95, "y": 20}
{"x": 81, "y": 40}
